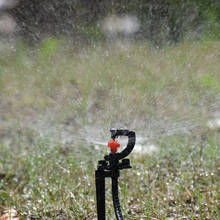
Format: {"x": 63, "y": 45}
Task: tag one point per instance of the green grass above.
{"x": 167, "y": 95}
{"x": 48, "y": 181}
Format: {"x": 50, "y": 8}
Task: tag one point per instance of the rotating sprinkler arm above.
{"x": 110, "y": 167}
{"x": 131, "y": 141}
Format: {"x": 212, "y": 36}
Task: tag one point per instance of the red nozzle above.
{"x": 113, "y": 145}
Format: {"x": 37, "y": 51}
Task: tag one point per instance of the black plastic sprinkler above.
{"x": 110, "y": 167}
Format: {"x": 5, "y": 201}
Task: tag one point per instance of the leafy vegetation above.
{"x": 162, "y": 21}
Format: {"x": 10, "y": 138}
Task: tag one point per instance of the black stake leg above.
{"x": 115, "y": 199}
{"x": 100, "y": 194}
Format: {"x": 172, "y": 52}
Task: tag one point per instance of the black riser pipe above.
{"x": 100, "y": 194}
{"x": 115, "y": 199}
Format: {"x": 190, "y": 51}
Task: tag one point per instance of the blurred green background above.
{"x": 70, "y": 70}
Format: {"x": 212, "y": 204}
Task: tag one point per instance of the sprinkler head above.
{"x": 113, "y": 145}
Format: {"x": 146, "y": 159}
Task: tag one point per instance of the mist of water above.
{"x": 166, "y": 114}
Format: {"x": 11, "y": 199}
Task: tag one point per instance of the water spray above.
{"x": 110, "y": 167}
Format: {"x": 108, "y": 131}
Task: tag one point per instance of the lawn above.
{"x": 57, "y": 99}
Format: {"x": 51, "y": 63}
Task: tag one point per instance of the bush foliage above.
{"x": 162, "y": 20}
